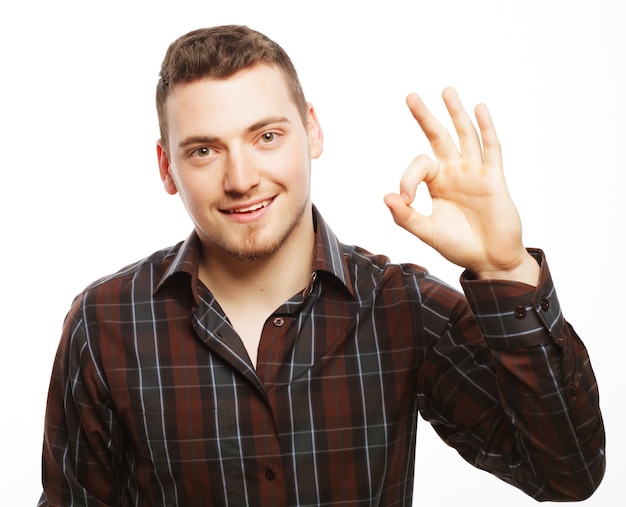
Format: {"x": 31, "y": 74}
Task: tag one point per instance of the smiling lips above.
{"x": 249, "y": 209}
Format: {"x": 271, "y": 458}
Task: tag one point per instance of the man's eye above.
{"x": 268, "y": 137}
{"x": 201, "y": 152}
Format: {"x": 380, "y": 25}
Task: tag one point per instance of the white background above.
{"x": 81, "y": 195}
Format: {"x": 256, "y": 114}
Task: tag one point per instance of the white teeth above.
{"x": 251, "y": 208}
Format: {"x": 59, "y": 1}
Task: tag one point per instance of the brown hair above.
{"x": 218, "y": 53}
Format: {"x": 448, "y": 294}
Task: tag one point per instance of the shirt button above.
{"x": 519, "y": 312}
{"x": 545, "y": 304}
{"x": 279, "y": 321}
{"x": 270, "y": 475}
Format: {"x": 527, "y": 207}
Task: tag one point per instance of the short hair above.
{"x": 219, "y": 52}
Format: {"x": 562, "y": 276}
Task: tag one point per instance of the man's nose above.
{"x": 241, "y": 173}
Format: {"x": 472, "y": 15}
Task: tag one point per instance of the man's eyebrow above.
{"x": 265, "y": 122}
{"x": 196, "y": 140}
{"x": 188, "y": 141}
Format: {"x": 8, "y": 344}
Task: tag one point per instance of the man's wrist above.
{"x": 527, "y": 271}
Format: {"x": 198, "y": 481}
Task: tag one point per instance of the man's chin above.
{"x": 254, "y": 254}
{"x": 258, "y": 248}
{"x": 248, "y": 249}
{"x": 254, "y": 242}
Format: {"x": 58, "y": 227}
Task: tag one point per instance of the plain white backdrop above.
{"x": 81, "y": 195}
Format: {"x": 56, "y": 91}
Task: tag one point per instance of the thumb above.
{"x": 407, "y": 217}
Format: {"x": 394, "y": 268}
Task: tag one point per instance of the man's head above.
{"x": 237, "y": 143}
{"x": 218, "y": 53}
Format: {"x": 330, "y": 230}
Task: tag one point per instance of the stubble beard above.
{"x": 250, "y": 245}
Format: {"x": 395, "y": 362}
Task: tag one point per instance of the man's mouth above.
{"x": 249, "y": 209}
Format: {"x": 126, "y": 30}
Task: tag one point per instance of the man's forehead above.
{"x": 263, "y": 71}
{"x": 230, "y": 106}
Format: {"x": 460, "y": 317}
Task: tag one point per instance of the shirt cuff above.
{"x": 513, "y": 315}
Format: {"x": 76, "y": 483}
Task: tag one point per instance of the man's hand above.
{"x": 474, "y": 222}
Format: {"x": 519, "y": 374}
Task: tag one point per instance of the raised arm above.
{"x": 510, "y": 386}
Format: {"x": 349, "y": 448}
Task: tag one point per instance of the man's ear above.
{"x": 165, "y": 169}
{"x": 316, "y": 136}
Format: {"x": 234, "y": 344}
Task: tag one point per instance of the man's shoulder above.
{"x": 144, "y": 272}
{"x": 378, "y": 264}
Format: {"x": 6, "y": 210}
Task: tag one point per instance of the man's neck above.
{"x": 265, "y": 282}
{"x": 250, "y": 291}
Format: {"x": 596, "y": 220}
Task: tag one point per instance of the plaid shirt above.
{"x": 154, "y": 401}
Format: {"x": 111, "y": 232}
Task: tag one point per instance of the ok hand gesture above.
{"x": 474, "y": 222}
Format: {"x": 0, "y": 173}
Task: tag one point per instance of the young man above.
{"x": 263, "y": 362}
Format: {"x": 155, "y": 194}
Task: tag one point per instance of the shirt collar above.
{"x": 328, "y": 257}
{"x": 329, "y": 253}
{"x": 181, "y": 276}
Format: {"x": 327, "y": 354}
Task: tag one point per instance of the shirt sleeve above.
{"x": 511, "y": 387}
{"x": 81, "y": 434}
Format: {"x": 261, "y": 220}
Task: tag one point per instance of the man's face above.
{"x": 240, "y": 157}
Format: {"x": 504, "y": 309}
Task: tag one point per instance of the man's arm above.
{"x": 81, "y": 434}
{"x": 525, "y": 406}
{"x": 510, "y": 387}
